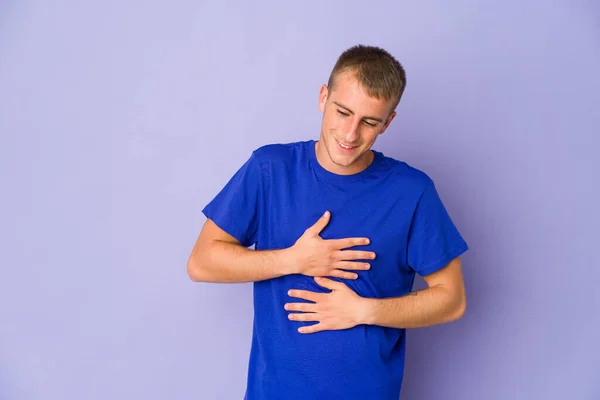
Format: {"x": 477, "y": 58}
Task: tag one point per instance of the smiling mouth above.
{"x": 345, "y": 147}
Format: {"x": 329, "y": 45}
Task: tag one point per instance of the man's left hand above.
{"x": 339, "y": 309}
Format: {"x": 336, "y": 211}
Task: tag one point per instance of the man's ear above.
{"x": 388, "y": 121}
{"x": 323, "y": 94}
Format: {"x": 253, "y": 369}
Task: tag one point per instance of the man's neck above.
{"x": 357, "y": 166}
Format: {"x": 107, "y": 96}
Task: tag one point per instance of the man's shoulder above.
{"x": 406, "y": 173}
{"x": 279, "y": 152}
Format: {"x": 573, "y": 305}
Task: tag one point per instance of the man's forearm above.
{"x": 223, "y": 262}
{"x": 431, "y": 306}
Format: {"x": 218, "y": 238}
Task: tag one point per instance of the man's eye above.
{"x": 342, "y": 113}
{"x": 369, "y": 124}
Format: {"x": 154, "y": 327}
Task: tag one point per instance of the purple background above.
{"x": 119, "y": 121}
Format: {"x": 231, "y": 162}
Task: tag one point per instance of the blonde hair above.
{"x": 381, "y": 75}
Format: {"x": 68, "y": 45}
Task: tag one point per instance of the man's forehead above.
{"x": 363, "y": 111}
{"x": 360, "y": 102}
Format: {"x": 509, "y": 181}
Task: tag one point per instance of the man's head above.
{"x": 358, "y": 104}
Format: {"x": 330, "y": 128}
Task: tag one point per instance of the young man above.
{"x": 340, "y": 230}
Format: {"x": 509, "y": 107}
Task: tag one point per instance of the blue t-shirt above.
{"x": 272, "y": 199}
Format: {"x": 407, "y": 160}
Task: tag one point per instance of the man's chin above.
{"x": 343, "y": 162}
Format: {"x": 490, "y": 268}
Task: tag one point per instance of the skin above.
{"x": 354, "y": 118}
{"x": 443, "y": 301}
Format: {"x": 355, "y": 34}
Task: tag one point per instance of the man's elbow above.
{"x": 196, "y": 270}
{"x": 460, "y": 308}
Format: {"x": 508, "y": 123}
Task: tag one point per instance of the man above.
{"x": 340, "y": 230}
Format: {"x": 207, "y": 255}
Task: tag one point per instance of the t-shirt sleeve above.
{"x": 235, "y": 209}
{"x": 433, "y": 239}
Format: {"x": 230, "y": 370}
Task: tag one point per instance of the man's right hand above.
{"x": 313, "y": 256}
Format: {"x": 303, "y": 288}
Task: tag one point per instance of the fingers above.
{"x": 304, "y": 307}
{"x": 343, "y": 274}
{"x": 353, "y": 266}
{"x": 329, "y": 284}
{"x": 320, "y": 224}
{"x": 305, "y": 294}
{"x": 349, "y": 242}
{"x": 303, "y": 317}
{"x": 354, "y": 255}
{"x": 312, "y": 328}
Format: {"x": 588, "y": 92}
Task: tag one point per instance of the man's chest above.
{"x": 383, "y": 217}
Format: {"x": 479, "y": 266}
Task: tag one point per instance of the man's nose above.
{"x": 351, "y": 134}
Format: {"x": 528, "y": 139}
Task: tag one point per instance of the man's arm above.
{"x": 443, "y": 301}
{"x": 219, "y": 257}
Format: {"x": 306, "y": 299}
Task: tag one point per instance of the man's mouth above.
{"x": 345, "y": 146}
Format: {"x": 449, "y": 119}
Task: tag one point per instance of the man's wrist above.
{"x": 289, "y": 261}
{"x": 366, "y": 311}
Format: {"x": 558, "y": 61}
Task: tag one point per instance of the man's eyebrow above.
{"x": 352, "y": 112}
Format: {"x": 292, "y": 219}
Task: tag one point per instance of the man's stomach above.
{"x": 364, "y": 357}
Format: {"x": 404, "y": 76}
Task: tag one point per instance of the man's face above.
{"x": 351, "y": 118}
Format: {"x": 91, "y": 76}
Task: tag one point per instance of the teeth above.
{"x": 346, "y": 147}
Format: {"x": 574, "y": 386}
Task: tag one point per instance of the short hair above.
{"x": 381, "y": 75}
